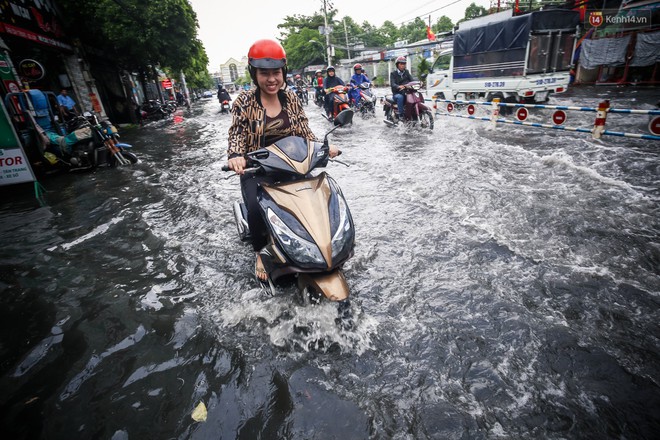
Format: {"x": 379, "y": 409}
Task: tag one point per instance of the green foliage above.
{"x": 474, "y": 11}
{"x": 139, "y": 33}
{"x": 442, "y": 24}
{"x": 382, "y": 74}
{"x": 414, "y": 30}
{"x": 300, "y": 52}
{"x": 423, "y": 68}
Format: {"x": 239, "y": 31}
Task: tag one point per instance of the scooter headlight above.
{"x": 299, "y": 249}
{"x": 343, "y": 235}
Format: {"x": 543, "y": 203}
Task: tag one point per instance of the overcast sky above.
{"x": 227, "y": 29}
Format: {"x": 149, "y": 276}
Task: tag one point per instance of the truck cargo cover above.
{"x": 514, "y": 32}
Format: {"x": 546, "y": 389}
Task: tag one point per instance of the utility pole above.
{"x": 326, "y": 31}
{"x": 346, "y": 36}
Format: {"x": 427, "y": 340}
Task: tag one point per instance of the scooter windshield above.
{"x": 291, "y": 154}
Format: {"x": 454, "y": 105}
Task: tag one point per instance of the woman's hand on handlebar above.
{"x": 237, "y": 164}
{"x": 333, "y": 151}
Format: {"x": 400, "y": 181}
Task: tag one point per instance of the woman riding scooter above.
{"x": 260, "y": 117}
{"x": 331, "y": 80}
{"x": 357, "y": 79}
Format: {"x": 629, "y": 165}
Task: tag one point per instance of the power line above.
{"x": 417, "y": 8}
{"x": 431, "y": 12}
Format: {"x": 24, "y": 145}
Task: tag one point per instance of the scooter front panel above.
{"x": 307, "y": 200}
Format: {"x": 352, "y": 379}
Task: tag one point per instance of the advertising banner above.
{"x": 14, "y": 166}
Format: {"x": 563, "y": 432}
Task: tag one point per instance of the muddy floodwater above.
{"x": 505, "y": 285}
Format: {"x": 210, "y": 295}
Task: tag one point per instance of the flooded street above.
{"x": 505, "y": 285}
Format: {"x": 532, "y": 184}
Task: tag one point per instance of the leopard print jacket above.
{"x": 249, "y": 119}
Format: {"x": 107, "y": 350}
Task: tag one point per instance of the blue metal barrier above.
{"x": 597, "y": 131}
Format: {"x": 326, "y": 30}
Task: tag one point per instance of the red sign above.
{"x": 167, "y": 84}
{"x": 11, "y": 86}
{"x": 470, "y": 109}
{"x": 522, "y": 113}
{"x": 559, "y": 117}
{"x": 450, "y": 107}
{"x": 654, "y": 126}
{"x": 31, "y": 70}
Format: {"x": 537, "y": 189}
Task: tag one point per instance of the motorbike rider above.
{"x": 317, "y": 82}
{"x": 223, "y": 95}
{"x": 260, "y": 117}
{"x": 398, "y": 78}
{"x": 331, "y": 80}
{"x": 300, "y": 83}
{"x": 357, "y": 79}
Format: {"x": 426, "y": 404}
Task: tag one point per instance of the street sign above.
{"x": 559, "y": 117}
{"x": 450, "y": 107}
{"x": 470, "y": 109}
{"x": 522, "y": 113}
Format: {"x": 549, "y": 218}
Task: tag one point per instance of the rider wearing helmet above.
{"x": 331, "y": 80}
{"x": 317, "y": 82}
{"x": 357, "y": 79}
{"x": 260, "y": 117}
{"x": 398, "y": 78}
{"x": 223, "y": 94}
{"x": 300, "y": 82}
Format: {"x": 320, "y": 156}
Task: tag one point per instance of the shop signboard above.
{"x": 6, "y": 76}
{"x": 34, "y": 20}
{"x": 14, "y": 166}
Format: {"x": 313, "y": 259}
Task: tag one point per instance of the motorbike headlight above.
{"x": 343, "y": 234}
{"x": 299, "y": 249}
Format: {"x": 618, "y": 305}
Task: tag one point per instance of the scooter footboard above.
{"x": 331, "y": 284}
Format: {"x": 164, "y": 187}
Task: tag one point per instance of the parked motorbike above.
{"x": 52, "y": 145}
{"x": 310, "y": 226}
{"x": 366, "y": 105}
{"x": 340, "y": 105}
{"x": 152, "y": 110}
{"x": 415, "y": 111}
{"x": 77, "y": 152}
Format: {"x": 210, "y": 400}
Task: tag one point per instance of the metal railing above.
{"x": 558, "y": 117}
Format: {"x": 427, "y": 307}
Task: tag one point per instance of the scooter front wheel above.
{"x": 310, "y": 296}
{"x": 132, "y": 158}
{"x": 426, "y": 119}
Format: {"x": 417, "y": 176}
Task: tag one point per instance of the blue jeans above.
{"x": 400, "y": 98}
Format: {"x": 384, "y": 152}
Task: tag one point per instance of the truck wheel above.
{"x": 504, "y": 111}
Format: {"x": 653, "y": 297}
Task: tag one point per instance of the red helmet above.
{"x": 267, "y": 54}
{"x": 401, "y": 59}
{"x": 298, "y": 76}
{"x": 358, "y": 66}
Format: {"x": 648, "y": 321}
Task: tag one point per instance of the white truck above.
{"x": 517, "y": 59}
